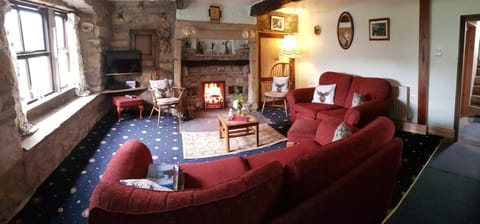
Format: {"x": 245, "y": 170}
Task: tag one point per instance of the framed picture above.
{"x": 214, "y": 13}
{"x": 379, "y": 29}
{"x": 277, "y": 23}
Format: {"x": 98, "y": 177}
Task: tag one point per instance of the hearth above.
{"x": 214, "y": 94}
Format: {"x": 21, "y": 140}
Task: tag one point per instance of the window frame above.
{"x": 48, "y": 15}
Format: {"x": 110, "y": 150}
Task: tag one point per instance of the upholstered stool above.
{"x": 122, "y": 102}
{"x": 301, "y": 130}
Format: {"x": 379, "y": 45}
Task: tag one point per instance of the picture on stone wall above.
{"x": 277, "y": 23}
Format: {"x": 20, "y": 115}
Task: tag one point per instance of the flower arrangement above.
{"x": 238, "y": 100}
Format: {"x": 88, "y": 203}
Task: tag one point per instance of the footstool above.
{"x": 301, "y": 130}
{"x": 122, "y": 102}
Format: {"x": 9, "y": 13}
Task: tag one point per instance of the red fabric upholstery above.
{"x": 249, "y": 198}
{"x": 133, "y": 153}
{"x": 376, "y": 90}
{"x": 326, "y": 130}
{"x": 302, "y": 129}
{"x": 317, "y": 169}
{"x": 342, "y": 82}
{"x": 123, "y": 101}
{"x": 347, "y": 181}
{"x": 203, "y": 175}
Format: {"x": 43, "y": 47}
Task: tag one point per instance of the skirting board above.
{"x": 424, "y": 129}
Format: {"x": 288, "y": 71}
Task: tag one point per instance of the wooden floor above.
{"x": 448, "y": 190}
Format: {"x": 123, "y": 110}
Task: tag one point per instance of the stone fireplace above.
{"x": 233, "y": 68}
{"x": 213, "y": 94}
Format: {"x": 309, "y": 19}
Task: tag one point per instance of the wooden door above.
{"x": 268, "y": 55}
{"x": 145, "y": 42}
{"x": 467, "y": 69}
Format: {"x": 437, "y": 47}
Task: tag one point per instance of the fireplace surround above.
{"x": 239, "y": 70}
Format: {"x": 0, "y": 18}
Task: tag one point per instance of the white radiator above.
{"x": 400, "y": 109}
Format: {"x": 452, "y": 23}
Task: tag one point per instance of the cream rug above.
{"x": 208, "y": 144}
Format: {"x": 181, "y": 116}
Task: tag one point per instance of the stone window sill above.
{"x": 54, "y": 119}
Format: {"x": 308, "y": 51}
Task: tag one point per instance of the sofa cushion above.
{"x": 311, "y": 110}
{"x": 326, "y": 130}
{"x": 358, "y": 99}
{"x": 342, "y": 82}
{"x": 249, "y": 198}
{"x": 342, "y": 131}
{"x": 206, "y": 174}
{"x": 371, "y": 88}
{"x": 302, "y": 129}
{"x": 324, "y": 94}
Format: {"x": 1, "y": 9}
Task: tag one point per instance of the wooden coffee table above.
{"x": 232, "y": 129}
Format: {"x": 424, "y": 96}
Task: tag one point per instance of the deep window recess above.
{"x": 38, "y": 36}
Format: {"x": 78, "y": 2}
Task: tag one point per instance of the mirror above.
{"x": 345, "y": 30}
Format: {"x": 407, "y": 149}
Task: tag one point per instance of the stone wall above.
{"x": 146, "y": 15}
{"x": 194, "y": 76}
{"x": 22, "y": 172}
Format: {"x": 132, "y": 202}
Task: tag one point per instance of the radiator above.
{"x": 400, "y": 109}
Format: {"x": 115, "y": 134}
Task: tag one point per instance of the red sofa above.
{"x": 346, "y": 181}
{"x": 377, "y": 93}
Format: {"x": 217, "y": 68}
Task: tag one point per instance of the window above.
{"x": 39, "y": 38}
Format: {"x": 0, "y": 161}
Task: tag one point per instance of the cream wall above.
{"x": 232, "y": 12}
{"x": 443, "y": 70}
{"x": 396, "y": 59}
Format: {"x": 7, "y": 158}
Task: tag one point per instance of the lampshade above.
{"x": 289, "y": 47}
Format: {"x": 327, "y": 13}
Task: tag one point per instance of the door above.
{"x": 468, "y": 64}
{"x": 268, "y": 55}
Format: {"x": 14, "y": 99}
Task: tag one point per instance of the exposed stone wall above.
{"x": 94, "y": 38}
{"x": 194, "y": 76}
{"x": 146, "y": 15}
{"x": 11, "y": 170}
{"x": 21, "y": 172}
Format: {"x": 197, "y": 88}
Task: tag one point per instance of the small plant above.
{"x": 237, "y": 100}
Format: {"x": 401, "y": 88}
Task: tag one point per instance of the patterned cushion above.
{"x": 161, "y": 87}
{"x": 324, "y": 94}
{"x": 280, "y": 84}
{"x": 144, "y": 184}
{"x": 357, "y": 99}
{"x": 342, "y": 131}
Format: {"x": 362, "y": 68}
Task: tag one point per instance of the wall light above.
{"x": 189, "y": 31}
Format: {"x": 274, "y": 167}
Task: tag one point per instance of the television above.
{"x": 122, "y": 61}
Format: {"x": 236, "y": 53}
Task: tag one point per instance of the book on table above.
{"x": 167, "y": 175}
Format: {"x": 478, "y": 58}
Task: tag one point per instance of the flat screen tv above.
{"x": 122, "y": 61}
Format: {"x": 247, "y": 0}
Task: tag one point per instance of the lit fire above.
{"x": 213, "y": 93}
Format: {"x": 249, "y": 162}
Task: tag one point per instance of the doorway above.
{"x": 467, "y": 110}
{"x": 268, "y": 55}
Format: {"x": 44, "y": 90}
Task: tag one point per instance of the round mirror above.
{"x": 345, "y": 30}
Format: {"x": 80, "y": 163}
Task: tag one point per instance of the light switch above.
{"x": 438, "y": 52}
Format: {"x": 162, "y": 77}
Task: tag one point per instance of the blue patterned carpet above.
{"x": 64, "y": 196}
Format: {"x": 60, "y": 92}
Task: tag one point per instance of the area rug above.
{"x": 208, "y": 144}
{"x": 208, "y": 120}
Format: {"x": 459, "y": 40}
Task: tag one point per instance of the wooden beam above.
{"x": 423, "y": 60}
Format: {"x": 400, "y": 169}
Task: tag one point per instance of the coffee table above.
{"x": 232, "y": 129}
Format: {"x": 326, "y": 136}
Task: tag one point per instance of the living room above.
{"x": 103, "y": 26}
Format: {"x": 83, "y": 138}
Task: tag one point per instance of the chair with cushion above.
{"x": 275, "y": 87}
{"x": 164, "y": 96}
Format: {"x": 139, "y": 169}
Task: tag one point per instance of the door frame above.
{"x": 461, "y": 84}
{"x": 260, "y": 36}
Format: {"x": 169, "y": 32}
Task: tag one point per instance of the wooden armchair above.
{"x": 173, "y": 101}
{"x": 280, "y": 73}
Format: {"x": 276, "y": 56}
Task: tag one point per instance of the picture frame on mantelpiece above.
{"x": 215, "y": 13}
